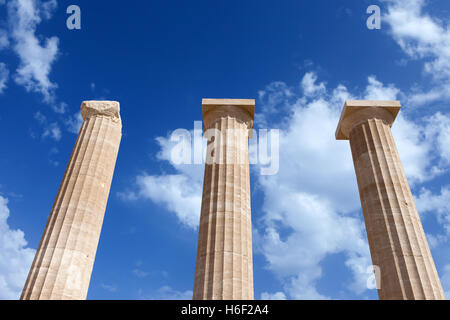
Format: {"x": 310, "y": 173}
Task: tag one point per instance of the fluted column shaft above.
{"x": 224, "y": 267}
{"x": 396, "y": 237}
{"x": 63, "y": 264}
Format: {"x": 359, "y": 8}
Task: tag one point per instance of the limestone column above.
{"x": 62, "y": 267}
{"x": 397, "y": 241}
{"x": 224, "y": 267}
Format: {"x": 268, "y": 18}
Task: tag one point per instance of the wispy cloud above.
{"x": 4, "y": 75}
{"x": 51, "y": 130}
{"x": 36, "y": 53}
{"x": 140, "y": 273}
{"x": 109, "y": 287}
{"x": 166, "y": 293}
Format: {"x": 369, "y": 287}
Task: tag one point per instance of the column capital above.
{"x": 356, "y": 112}
{"x": 241, "y": 109}
{"x": 109, "y": 109}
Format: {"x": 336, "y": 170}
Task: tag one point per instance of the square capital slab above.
{"x": 355, "y": 110}
{"x": 92, "y": 108}
{"x": 247, "y": 104}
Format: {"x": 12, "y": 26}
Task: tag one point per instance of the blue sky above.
{"x": 299, "y": 59}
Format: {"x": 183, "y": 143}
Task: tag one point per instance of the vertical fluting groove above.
{"x": 212, "y": 254}
{"x": 249, "y": 230}
{"x": 224, "y": 294}
{"x": 233, "y": 212}
{"x": 240, "y": 212}
{"x": 70, "y": 239}
{"x": 200, "y": 286}
{"x": 396, "y": 238}
{"x": 209, "y": 265}
{"x": 213, "y": 240}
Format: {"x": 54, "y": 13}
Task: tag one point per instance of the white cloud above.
{"x": 4, "y": 75}
{"x": 180, "y": 193}
{"x": 415, "y": 149}
{"x": 309, "y": 85}
{"x": 15, "y": 257}
{"x": 423, "y": 146}
{"x": 4, "y": 40}
{"x": 422, "y": 37}
{"x": 377, "y": 91}
{"x": 438, "y": 204}
{"x": 438, "y": 129}
{"x": 36, "y": 58}
{"x": 176, "y": 192}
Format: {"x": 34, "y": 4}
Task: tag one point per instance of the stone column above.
{"x": 224, "y": 268}
{"x": 62, "y": 267}
{"x": 397, "y": 241}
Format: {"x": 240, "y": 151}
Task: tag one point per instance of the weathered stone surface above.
{"x": 224, "y": 268}
{"x": 63, "y": 264}
{"x": 397, "y": 241}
